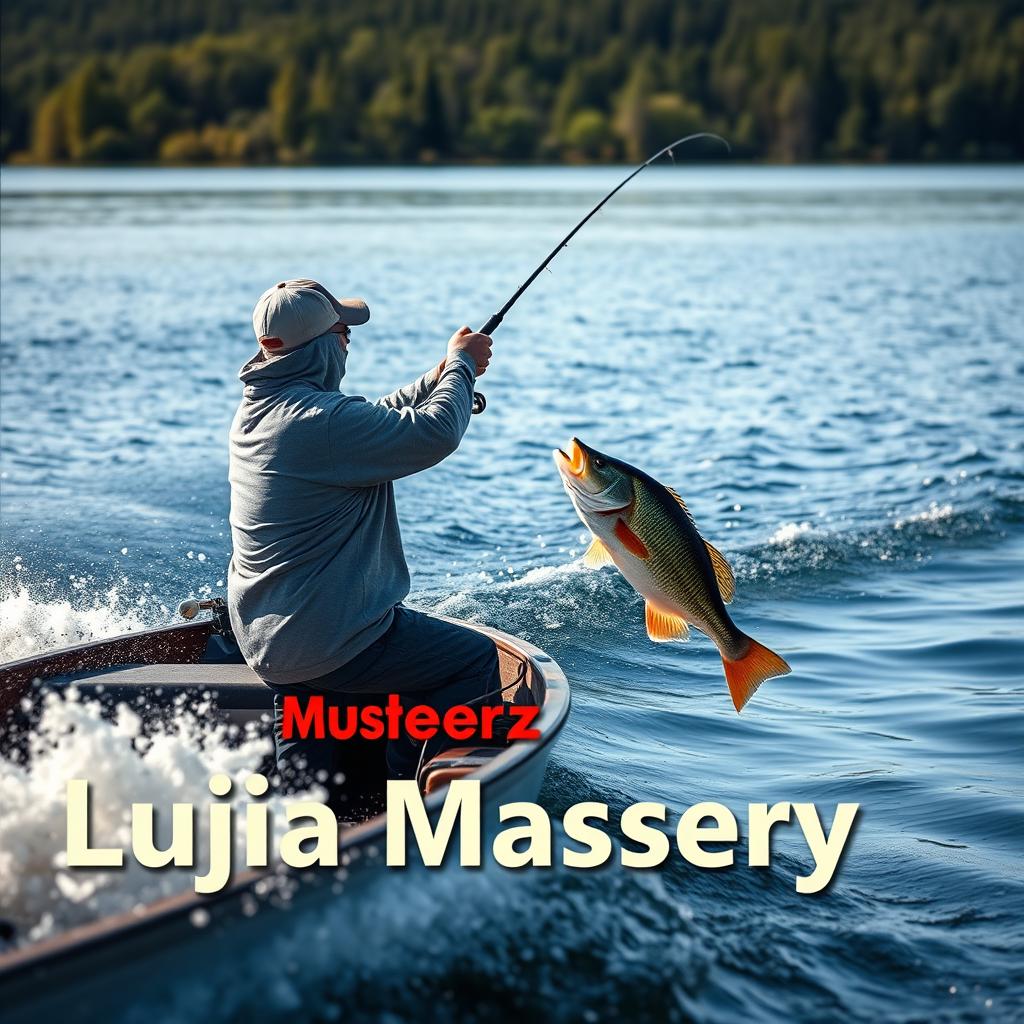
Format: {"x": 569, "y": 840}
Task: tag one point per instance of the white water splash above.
{"x": 568, "y": 590}
{"x": 935, "y": 513}
{"x": 38, "y": 892}
{"x": 789, "y": 532}
{"x": 29, "y": 626}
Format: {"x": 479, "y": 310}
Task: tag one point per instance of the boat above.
{"x": 99, "y": 964}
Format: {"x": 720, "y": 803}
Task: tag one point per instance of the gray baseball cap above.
{"x": 294, "y": 312}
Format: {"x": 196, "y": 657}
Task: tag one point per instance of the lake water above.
{"x": 827, "y": 364}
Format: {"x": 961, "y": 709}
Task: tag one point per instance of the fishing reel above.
{"x": 479, "y": 402}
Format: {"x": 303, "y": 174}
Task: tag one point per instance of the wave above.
{"x": 795, "y": 554}
{"x": 29, "y": 625}
{"x": 548, "y": 597}
{"x": 804, "y": 548}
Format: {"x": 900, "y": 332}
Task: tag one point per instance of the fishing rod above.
{"x": 479, "y": 402}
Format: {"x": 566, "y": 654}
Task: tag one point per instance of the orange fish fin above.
{"x": 664, "y": 626}
{"x": 597, "y": 555}
{"x": 723, "y": 573}
{"x": 746, "y": 674}
{"x": 630, "y": 541}
{"x": 681, "y": 503}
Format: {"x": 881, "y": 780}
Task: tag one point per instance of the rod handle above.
{"x": 479, "y": 402}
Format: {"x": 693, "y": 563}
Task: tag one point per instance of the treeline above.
{"x": 293, "y": 81}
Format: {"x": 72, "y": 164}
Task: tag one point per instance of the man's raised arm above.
{"x": 371, "y": 443}
{"x": 420, "y": 389}
{"x": 412, "y": 394}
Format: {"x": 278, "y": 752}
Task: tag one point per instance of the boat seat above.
{"x": 454, "y": 764}
{"x": 233, "y": 687}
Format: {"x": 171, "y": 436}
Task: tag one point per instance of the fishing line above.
{"x": 479, "y": 402}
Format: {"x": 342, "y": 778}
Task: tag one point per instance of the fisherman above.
{"x": 318, "y": 574}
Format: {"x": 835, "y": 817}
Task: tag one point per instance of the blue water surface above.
{"x": 828, "y": 364}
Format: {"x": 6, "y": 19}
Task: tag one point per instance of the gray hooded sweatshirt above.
{"x": 317, "y": 564}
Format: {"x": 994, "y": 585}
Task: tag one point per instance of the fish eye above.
{"x": 599, "y": 463}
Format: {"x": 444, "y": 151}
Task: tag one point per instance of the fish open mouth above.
{"x": 576, "y": 458}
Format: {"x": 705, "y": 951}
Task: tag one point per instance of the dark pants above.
{"x": 421, "y": 658}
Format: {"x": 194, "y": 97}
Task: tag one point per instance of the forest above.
{"x": 451, "y": 81}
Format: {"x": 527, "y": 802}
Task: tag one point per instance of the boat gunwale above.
{"x": 17, "y": 676}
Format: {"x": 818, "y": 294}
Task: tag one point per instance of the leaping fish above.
{"x": 648, "y": 533}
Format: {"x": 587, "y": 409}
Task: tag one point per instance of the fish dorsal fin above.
{"x": 665, "y": 626}
{"x": 723, "y": 573}
{"x": 681, "y": 503}
{"x": 597, "y": 555}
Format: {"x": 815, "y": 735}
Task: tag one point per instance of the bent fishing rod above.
{"x": 479, "y": 402}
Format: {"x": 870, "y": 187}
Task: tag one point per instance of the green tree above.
{"x": 108, "y": 146}
{"x": 391, "y": 125}
{"x": 906, "y": 126}
{"x": 394, "y": 80}
{"x": 588, "y": 134}
{"x": 633, "y": 108}
{"x": 147, "y": 70}
{"x": 570, "y": 99}
{"x": 669, "y": 117}
{"x": 955, "y": 113}
{"x": 795, "y": 112}
{"x": 49, "y": 130}
{"x": 501, "y": 56}
{"x": 506, "y": 132}
{"x": 90, "y": 104}
{"x": 332, "y": 129}
{"x": 430, "y": 109}
{"x": 152, "y": 119}
{"x": 852, "y": 134}
{"x": 187, "y": 147}
{"x": 364, "y": 59}
{"x": 287, "y": 107}
{"x": 243, "y": 80}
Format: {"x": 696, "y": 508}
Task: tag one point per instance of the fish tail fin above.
{"x": 746, "y": 674}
